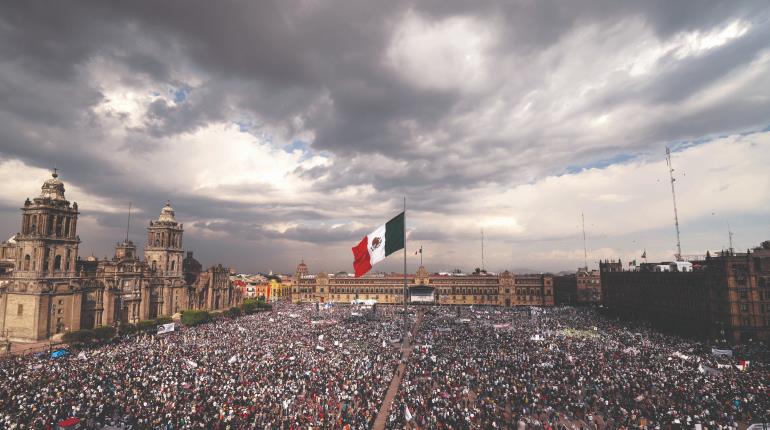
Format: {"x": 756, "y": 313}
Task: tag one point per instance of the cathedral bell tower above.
{"x": 164, "y": 244}
{"x": 48, "y": 242}
{"x": 42, "y": 298}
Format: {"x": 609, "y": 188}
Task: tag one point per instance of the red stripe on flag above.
{"x": 361, "y": 261}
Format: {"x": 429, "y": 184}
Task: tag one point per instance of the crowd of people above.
{"x": 491, "y": 368}
{"x": 304, "y": 366}
{"x": 295, "y": 367}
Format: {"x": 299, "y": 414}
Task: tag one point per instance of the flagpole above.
{"x": 405, "y": 291}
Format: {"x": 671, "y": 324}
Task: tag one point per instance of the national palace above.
{"x": 46, "y": 288}
{"x": 505, "y": 289}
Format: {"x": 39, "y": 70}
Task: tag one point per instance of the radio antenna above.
{"x": 678, "y": 255}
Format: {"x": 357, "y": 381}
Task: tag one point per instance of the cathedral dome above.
{"x": 53, "y": 188}
{"x": 167, "y": 213}
{"x": 302, "y": 268}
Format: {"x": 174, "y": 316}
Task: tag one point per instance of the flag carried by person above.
{"x": 374, "y": 247}
{"x": 407, "y": 414}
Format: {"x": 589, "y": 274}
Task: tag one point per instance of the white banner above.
{"x": 722, "y": 352}
{"x": 166, "y": 328}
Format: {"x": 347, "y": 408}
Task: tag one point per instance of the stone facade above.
{"x": 505, "y": 289}
{"x": 565, "y": 289}
{"x": 46, "y": 289}
{"x": 725, "y": 298}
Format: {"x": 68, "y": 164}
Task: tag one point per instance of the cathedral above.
{"x": 46, "y": 289}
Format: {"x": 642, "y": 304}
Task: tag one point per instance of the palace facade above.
{"x": 47, "y": 289}
{"x": 505, "y": 289}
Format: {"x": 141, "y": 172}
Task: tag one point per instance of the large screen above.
{"x": 421, "y": 297}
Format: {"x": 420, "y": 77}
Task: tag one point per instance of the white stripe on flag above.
{"x": 376, "y": 243}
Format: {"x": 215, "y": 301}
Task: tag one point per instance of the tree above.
{"x": 163, "y": 320}
{"x": 79, "y": 336}
{"x": 104, "y": 332}
{"x": 193, "y": 317}
{"x": 146, "y": 325}
{"x": 249, "y": 306}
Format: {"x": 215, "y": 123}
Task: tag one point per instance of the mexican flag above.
{"x": 374, "y": 247}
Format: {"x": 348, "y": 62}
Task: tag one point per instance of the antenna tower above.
{"x": 678, "y": 255}
{"x": 730, "y": 235}
{"x": 585, "y": 249}
{"x": 482, "y": 250}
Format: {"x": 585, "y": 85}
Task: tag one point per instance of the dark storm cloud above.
{"x": 295, "y": 68}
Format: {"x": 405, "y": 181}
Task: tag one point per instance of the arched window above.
{"x": 33, "y": 227}
{"x": 154, "y": 264}
{"x": 26, "y": 262}
{"x": 172, "y": 265}
{"x": 57, "y": 263}
{"x": 59, "y": 226}
{"x": 157, "y": 241}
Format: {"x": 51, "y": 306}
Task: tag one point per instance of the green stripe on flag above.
{"x": 394, "y": 234}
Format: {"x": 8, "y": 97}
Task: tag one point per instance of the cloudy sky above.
{"x": 288, "y": 129}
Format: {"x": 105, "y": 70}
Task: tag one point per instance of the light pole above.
{"x": 50, "y": 320}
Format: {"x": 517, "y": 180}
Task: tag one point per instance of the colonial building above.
{"x": 506, "y": 289}
{"x": 582, "y": 287}
{"x": 724, "y": 297}
{"x": 46, "y": 289}
{"x": 589, "y": 286}
{"x": 565, "y": 289}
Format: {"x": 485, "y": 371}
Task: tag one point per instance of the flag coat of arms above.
{"x": 374, "y": 247}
